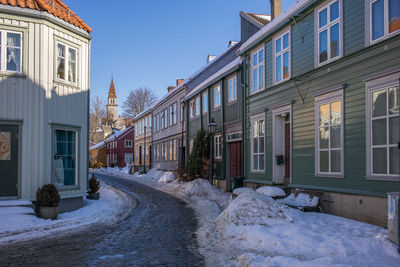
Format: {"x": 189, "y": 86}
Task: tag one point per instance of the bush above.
{"x": 47, "y": 196}
{"x": 94, "y": 184}
{"x": 198, "y": 161}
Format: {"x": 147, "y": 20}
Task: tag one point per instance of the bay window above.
{"x": 329, "y": 32}
{"x": 282, "y": 57}
{"x": 66, "y": 63}
{"x": 10, "y": 51}
{"x": 258, "y": 144}
{"x": 383, "y": 123}
{"x": 329, "y": 134}
{"x": 257, "y": 70}
{"x": 384, "y": 18}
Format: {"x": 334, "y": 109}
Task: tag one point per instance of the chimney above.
{"x": 179, "y": 81}
{"x": 276, "y": 8}
{"x": 170, "y": 88}
{"x": 232, "y": 43}
{"x": 210, "y": 58}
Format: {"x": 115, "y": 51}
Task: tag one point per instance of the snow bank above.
{"x": 271, "y": 191}
{"x": 301, "y": 200}
{"x": 111, "y": 207}
{"x": 255, "y": 230}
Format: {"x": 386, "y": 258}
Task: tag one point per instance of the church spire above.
{"x": 111, "y": 92}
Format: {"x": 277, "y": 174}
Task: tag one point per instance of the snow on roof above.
{"x": 144, "y": 112}
{"x": 96, "y": 146}
{"x": 259, "y": 20}
{"x": 222, "y": 72}
{"x": 273, "y": 24}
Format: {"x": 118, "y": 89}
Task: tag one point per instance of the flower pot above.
{"x": 49, "y": 212}
{"x": 93, "y": 196}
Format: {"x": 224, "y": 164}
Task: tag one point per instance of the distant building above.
{"x": 120, "y": 148}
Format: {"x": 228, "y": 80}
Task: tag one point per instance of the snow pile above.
{"x": 167, "y": 177}
{"x": 301, "y": 200}
{"x": 111, "y": 207}
{"x": 271, "y": 191}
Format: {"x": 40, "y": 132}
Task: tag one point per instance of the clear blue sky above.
{"x": 153, "y": 42}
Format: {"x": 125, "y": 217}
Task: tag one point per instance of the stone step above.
{"x": 15, "y": 203}
{"x": 15, "y": 210}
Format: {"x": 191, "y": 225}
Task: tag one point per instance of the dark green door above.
{"x": 8, "y": 161}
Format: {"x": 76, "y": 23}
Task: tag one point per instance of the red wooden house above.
{"x": 120, "y": 148}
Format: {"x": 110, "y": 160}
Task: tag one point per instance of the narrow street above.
{"x": 159, "y": 232}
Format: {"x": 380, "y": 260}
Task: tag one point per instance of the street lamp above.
{"x": 211, "y": 129}
{"x": 144, "y": 151}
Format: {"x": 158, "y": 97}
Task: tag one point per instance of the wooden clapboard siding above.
{"x": 37, "y": 100}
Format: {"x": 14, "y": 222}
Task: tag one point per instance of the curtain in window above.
{"x": 13, "y": 52}
{"x": 71, "y": 65}
{"x": 61, "y": 61}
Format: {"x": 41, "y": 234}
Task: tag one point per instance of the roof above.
{"x": 118, "y": 134}
{"x": 219, "y": 74}
{"x": 97, "y": 146}
{"x": 145, "y": 112}
{"x": 275, "y": 23}
{"x": 55, "y": 7}
{"x": 260, "y": 20}
{"x": 111, "y": 92}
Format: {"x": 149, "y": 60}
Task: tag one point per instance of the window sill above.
{"x": 257, "y": 172}
{"x": 383, "y": 38}
{"x": 67, "y": 187}
{"x": 329, "y": 175}
{"x": 65, "y": 83}
{"x": 217, "y": 108}
{"x": 258, "y": 91}
{"x": 13, "y": 74}
{"x": 232, "y": 102}
{"x": 382, "y": 178}
{"x": 280, "y": 82}
{"x": 328, "y": 61}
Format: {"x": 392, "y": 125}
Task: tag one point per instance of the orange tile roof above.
{"x": 54, "y": 7}
{"x": 111, "y": 93}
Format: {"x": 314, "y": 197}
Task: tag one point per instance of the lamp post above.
{"x": 144, "y": 150}
{"x": 211, "y": 128}
{"x": 182, "y": 122}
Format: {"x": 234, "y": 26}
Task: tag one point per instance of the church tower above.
{"x": 112, "y": 107}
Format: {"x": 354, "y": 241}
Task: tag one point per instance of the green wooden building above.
{"x": 321, "y": 104}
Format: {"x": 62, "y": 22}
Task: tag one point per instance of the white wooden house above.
{"x": 44, "y": 100}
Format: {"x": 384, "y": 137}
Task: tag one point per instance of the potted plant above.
{"x": 94, "y": 186}
{"x": 47, "y": 199}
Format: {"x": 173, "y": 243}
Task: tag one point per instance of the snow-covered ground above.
{"x": 255, "y": 230}
{"x": 111, "y": 207}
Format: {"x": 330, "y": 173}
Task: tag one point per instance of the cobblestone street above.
{"x": 159, "y": 232}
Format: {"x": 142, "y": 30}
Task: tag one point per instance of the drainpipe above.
{"x": 223, "y": 129}
{"x": 244, "y": 115}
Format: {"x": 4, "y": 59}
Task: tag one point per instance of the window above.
{"x": 217, "y": 96}
{"x": 383, "y": 124}
{"x": 171, "y": 116}
{"x": 191, "y": 141}
{"x": 282, "y": 57}
{"x": 197, "y": 105}
{"x": 329, "y": 134}
{"x": 192, "y": 109}
{"x": 218, "y": 146}
{"x": 174, "y": 150}
{"x": 384, "y": 18}
{"x": 232, "y": 89}
{"x": 205, "y": 101}
{"x": 128, "y": 143}
{"x": 175, "y": 114}
{"x": 171, "y": 149}
{"x": 128, "y": 158}
{"x": 166, "y": 151}
{"x": 10, "y": 51}
{"x": 65, "y": 157}
{"x": 66, "y": 63}
{"x": 137, "y": 153}
{"x": 257, "y": 70}
{"x": 182, "y": 113}
{"x": 165, "y": 118}
{"x": 257, "y": 144}
{"x": 329, "y": 32}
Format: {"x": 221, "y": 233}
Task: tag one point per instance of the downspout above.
{"x": 223, "y": 129}
{"x": 187, "y": 134}
{"x": 244, "y": 115}
{"x": 88, "y": 117}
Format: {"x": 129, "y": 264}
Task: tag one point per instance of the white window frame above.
{"x": 192, "y": 109}
{"x": 252, "y": 68}
{"x": 197, "y": 105}
{"x": 128, "y": 143}
{"x": 368, "y": 23}
{"x": 232, "y": 94}
{"x": 171, "y": 113}
{"x": 322, "y": 100}
{"x": 217, "y": 88}
{"x": 3, "y": 47}
{"x": 67, "y": 47}
{"x": 204, "y": 99}
{"x": 175, "y": 113}
{"x": 371, "y": 86}
{"x": 218, "y": 146}
{"x": 281, "y": 53}
{"x": 258, "y": 118}
{"x": 327, "y": 27}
